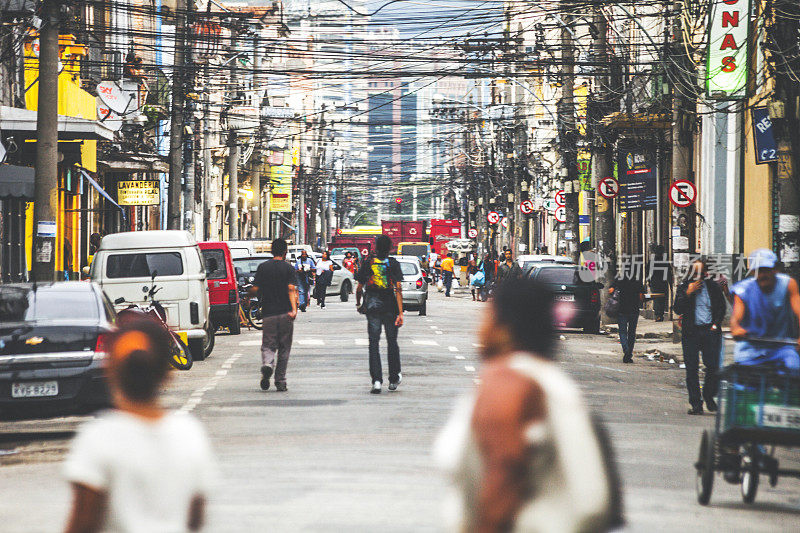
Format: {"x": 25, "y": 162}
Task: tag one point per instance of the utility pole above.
{"x": 233, "y": 144}
{"x": 206, "y": 204}
{"x": 177, "y": 113}
{"x": 568, "y": 131}
{"x": 683, "y": 218}
{"x": 301, "y": 205}
{"x": 45, "y": 192}
{"x": 605, "y": 229}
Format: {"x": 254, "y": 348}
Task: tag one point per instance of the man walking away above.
{"x": 447, "y": 273}
{"x": 660, "y": 280}
{"x": 509, "y": 269}
{"x": 631, "y": 296}
{"x": 305, "y": 267}
{"x": 380, "y": 283}
{"x": 700, "y": 302}
{"x": 276, "y": 284}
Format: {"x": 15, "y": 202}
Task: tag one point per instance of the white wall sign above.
{"x": 726, "y": 58}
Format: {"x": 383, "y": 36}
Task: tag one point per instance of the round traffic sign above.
{"x": 493, "y": 217}
{"x": 561, "y": 214}
{"x": 608, "y": 187}
{"x": 504, "y": 222}
{"x": 472, "y": 233}
{"x": 682, "y": 193}
{"x": 526, "y": 207}
{"x": 560, "y": 198}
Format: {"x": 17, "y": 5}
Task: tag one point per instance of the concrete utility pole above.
{"x": 45, "y": 192}
{"x": 682, "y": 121}
{"x": 568, "y": 130}
{"x": 177, "y": 120}
{"x": 233, "y": 147}
{"x": 605, "y": 229}
{"x": 206, "y": 204}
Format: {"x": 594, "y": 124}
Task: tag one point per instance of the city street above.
{"x": 328, "y": 456}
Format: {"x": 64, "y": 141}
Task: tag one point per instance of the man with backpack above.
{"x": 380, "y": 284}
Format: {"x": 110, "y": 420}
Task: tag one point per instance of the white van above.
{"x": 125, "y": 263}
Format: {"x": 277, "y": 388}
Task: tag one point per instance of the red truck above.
{"x": 441, "y": 232}
{"x": 404, "y": 231}
{"x": 364, "y": 243}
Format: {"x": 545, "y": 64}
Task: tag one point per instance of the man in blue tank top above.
{"x": 766, "y": 306}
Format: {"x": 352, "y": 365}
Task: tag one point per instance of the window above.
{"x": 215, "y": 264}
{"x": 21, "y": 304}
{"x": 409, "y": 269}
{"x": 562, "y": 276}
{"x": 144, "y": 265}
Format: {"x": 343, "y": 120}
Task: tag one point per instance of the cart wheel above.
{"x": 706, "y": 460}
{"x": 750, "y": 474}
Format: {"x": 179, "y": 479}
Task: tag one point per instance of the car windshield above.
{"x": 249, "y": 264}
{"x": 559, "y": 276}
{"x": 215, "y": 263}
{"x": 414, "y": 249}
{"x": 409, "y": 269}
{"x": 144, "y": 265}
{"x": 340, "y": 251}
{"x": 23, "y": 304}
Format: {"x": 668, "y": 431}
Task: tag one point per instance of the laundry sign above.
{"x": 138, "y": 192}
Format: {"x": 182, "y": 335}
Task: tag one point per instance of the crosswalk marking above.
{"x": 469, "y": 368}
{"x": 362, "y": 342}
{"x": 311, "y": 342}
{"x": 424, "y": 342}
{"x": 249, "y": 343}
{"x": 452, "y": 348}
{"x": 460, "y": 357}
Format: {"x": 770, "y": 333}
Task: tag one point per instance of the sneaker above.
{"x": 281, "y": 387}
{"x": 376, "y": 388}
{"x": 266, "y": 373}
{"x": 393, "y": 385}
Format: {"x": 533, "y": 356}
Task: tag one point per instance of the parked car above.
{"x": 528, "y": 262}
{"x": 223, "y": 294}
{"x": 415, "y": 285}
{"x": 51, "y": 347}
{"x": 342, "y": 282}
{"x": 126, "y": 262}
{"x": 577, "y": 301}
{"x": 246, "y": 267}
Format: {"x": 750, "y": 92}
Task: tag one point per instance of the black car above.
{"x": 577, "y": 295}
{"x": 52, "y": 347}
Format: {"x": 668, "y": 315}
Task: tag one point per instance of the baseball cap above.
{"x": 762, "y": 258}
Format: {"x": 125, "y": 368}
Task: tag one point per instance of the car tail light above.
{"x": 419, "y": 283}
{"x": 100, "y": 346}
{"x": 232, "y": 296}
{"x": 594, "y": 299}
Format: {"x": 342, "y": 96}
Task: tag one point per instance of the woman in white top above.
{"x": 139, "y": 467}
{"x": 324, "y": 277}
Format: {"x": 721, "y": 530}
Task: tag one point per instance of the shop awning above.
{"x": 16, "y": 181}
{"x": 22, "y": 122}
{"x": 103, "y": 192}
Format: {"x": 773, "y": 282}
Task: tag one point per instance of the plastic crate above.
{"x": 742, "y": 398}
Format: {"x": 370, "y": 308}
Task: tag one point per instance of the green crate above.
{"x": 740, "y": 403}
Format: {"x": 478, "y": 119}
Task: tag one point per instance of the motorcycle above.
{"x": 180, "y": 356}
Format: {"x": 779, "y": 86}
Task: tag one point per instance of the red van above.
{"x": 223, "y": 293}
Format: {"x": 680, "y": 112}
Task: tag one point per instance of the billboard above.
{"x": 280, "y": 177}
{"x": 728, "y": 49}
{"x": 637, "y": 181}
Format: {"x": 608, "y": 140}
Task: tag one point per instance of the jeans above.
{"x": 374, "y": 323}
{"x": 448, "y": 282}
{"x": 302, "y": 293}
{"x": 659, "y": 306}
{"x": 709, "y": 343}
{"x": 627, "y": 331}
{"x": 276, "y": 342}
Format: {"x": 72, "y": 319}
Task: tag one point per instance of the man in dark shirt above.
{"x": 631, "y": 294}
{"x": 508, "y": 269}
{"x": 380, "y": 283}
{"x": 276, "y": 285}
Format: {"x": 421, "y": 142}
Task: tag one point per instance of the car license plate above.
{"x": 34, "y": 389}
{"x": 565, "y": 297}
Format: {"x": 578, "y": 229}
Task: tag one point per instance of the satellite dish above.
{"x": 119, "y": 101}
{"x": 107, "y": 116}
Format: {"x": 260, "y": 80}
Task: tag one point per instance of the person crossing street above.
{"x": 448, "y": 267}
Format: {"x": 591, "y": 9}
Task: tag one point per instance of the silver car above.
{"x": 415, "y": 286}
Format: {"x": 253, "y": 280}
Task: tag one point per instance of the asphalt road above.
{"x": 329, "y": 456}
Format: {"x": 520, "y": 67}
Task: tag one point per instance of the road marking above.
{"x": 452, "y": 348}
{"x": 604, "y": 367}
{"x": 424, "y": 343}
{"x": 477, "y": 345}
{"x": 600, "y": 352}
{"x": 249, "y": 343}
{"x": 222, "y": 372}
{"x": 434, "y": 327}
{"x": 439, "y": 332}
{"x": 469, "y": 368}
{"x": 311, "y": 342}
{"x": 460, "y": 357}
{"x": 362, "y": 342}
